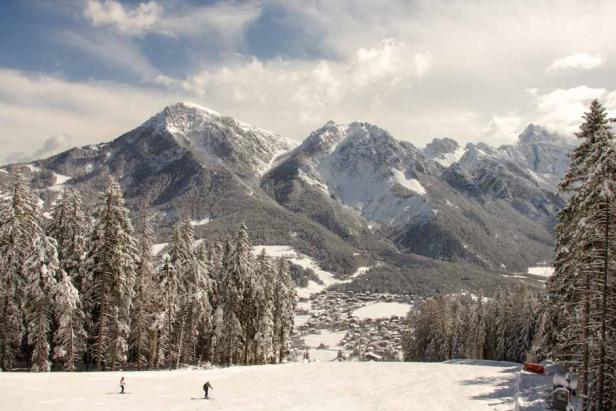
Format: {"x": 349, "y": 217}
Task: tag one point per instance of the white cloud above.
{"x": 580, "y": 61}
{"x": 290, "y": 96}
{"x": 137, "y": 20}
{"x": 502, "y": 129}
{"x": 561, "y": 110}
{"x": 41, "y": 114}
{"x": 226, "y": 20}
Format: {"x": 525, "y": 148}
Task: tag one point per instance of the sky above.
{"x": 78, "y": 72}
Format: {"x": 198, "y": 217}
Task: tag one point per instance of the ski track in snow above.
{"x": 467, "y": 386}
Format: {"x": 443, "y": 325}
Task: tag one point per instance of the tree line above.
{"x": 502, "y": 328}
{"x": 88, "y": 292}
{"x": 574, "y": 321}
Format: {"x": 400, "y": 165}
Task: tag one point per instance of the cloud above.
{"x": 138, "y": 20}
{"x": 561, "y": 110}
{"x": 502, "y": 129}
{"x": 290, "y": 96}
{"x": 50, "y": 146}
{"x": 581, "y": 61}
{"x": 42, "y": 114}
{"x": 226, "y": 20}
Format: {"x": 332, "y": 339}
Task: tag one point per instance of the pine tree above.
{"x": 70, "y": 227}
{"x": 581, "y": 290}
{"x": 41, "y": 267}
{"x": 284, "y": 309}
{"x": 111, "y": 264}
{"x": 19, "y": 230}
{"x": 70, "y": 337}
{"x": 142, "y": 314}
{"x": 237, "y": 298}
{"x": 168, "y": 286}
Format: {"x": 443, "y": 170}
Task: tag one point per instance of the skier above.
{"x": 122, "y": 384}
{"x": 206, "y": 388}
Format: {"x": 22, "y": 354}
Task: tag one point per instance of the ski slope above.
{"x": 462, "y": 386}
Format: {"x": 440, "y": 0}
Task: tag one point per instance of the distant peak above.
{"x": 441, "y": 146}
{"x": 538, "y": 134}
{"x": 187, "y": 105}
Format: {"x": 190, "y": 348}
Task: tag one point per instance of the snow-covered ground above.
{"x": 331, "y": 339}
{"x": 462, "y": 386}
{"x": 61, "y": 179}
{"x": 382, "y": 310}
{"x": 542, "y": 271}
{"x": 304, "y": 261}
{"x": 196, "y": 223}
{"x": 410, "y": 184}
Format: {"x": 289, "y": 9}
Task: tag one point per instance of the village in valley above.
{"x": 337, "y": 326}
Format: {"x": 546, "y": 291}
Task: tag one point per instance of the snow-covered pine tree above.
{"x": 111, "y": 263}
{"x": 194, "y": 297}
{"x": 40, "y": 274}
{"x": 284, "y": 310}
{"x": 70, "y": 227}
{"x": 596, "y": 234}
{"x": 70, "y": 336}
{"x": 216, "y": 254}
{"x": 217, "y": 342}
{"x": 262, "y": 321}
{"x": 19, "y": 230}
{"x": 168, "y": 287}
{"x": 584, "y": 261}
{"x": 236, "y": 297}
{"x": 142, "y": 313}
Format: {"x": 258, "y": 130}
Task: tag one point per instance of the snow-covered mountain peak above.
{"x": 217, "y": 137}
{"x": 323, "y": 140}
{"x": 538, "y": 134}
{"x": 444, "y": 151}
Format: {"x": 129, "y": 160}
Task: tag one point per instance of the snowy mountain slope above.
{"x": 347, "y": 190}
{"x": 188, "y": 162}
{"x": 487, "y": 206}
{"x": 466, "y": 385}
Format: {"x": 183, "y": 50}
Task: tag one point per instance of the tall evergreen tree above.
{"x": 20, "y": 233}
{"x": 70, "y": 227}
{"x": 142, "y": 313}
{"x": 111, "y": 264}
{"x": 70, "y": 337}
{"x": 581, "y": 289}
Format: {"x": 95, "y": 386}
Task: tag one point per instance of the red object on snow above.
{"x": 536, "y": 368}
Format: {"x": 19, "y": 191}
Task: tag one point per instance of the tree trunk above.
{"x": 604, "y": 306}
{"x": 585, "y": 342}
{"x": 101, "y": 332}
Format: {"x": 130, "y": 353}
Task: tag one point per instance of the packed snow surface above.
{"x": 544, "y": 271}
{"x": 382, "y": 310}
{"x": 465, "y": 385}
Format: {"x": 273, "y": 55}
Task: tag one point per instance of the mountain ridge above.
{"x": 346, "y": 190}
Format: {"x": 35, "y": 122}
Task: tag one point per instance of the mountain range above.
{"x": 441, "y": 218}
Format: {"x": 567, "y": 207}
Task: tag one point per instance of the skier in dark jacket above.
{"x": 206, "y": 388}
